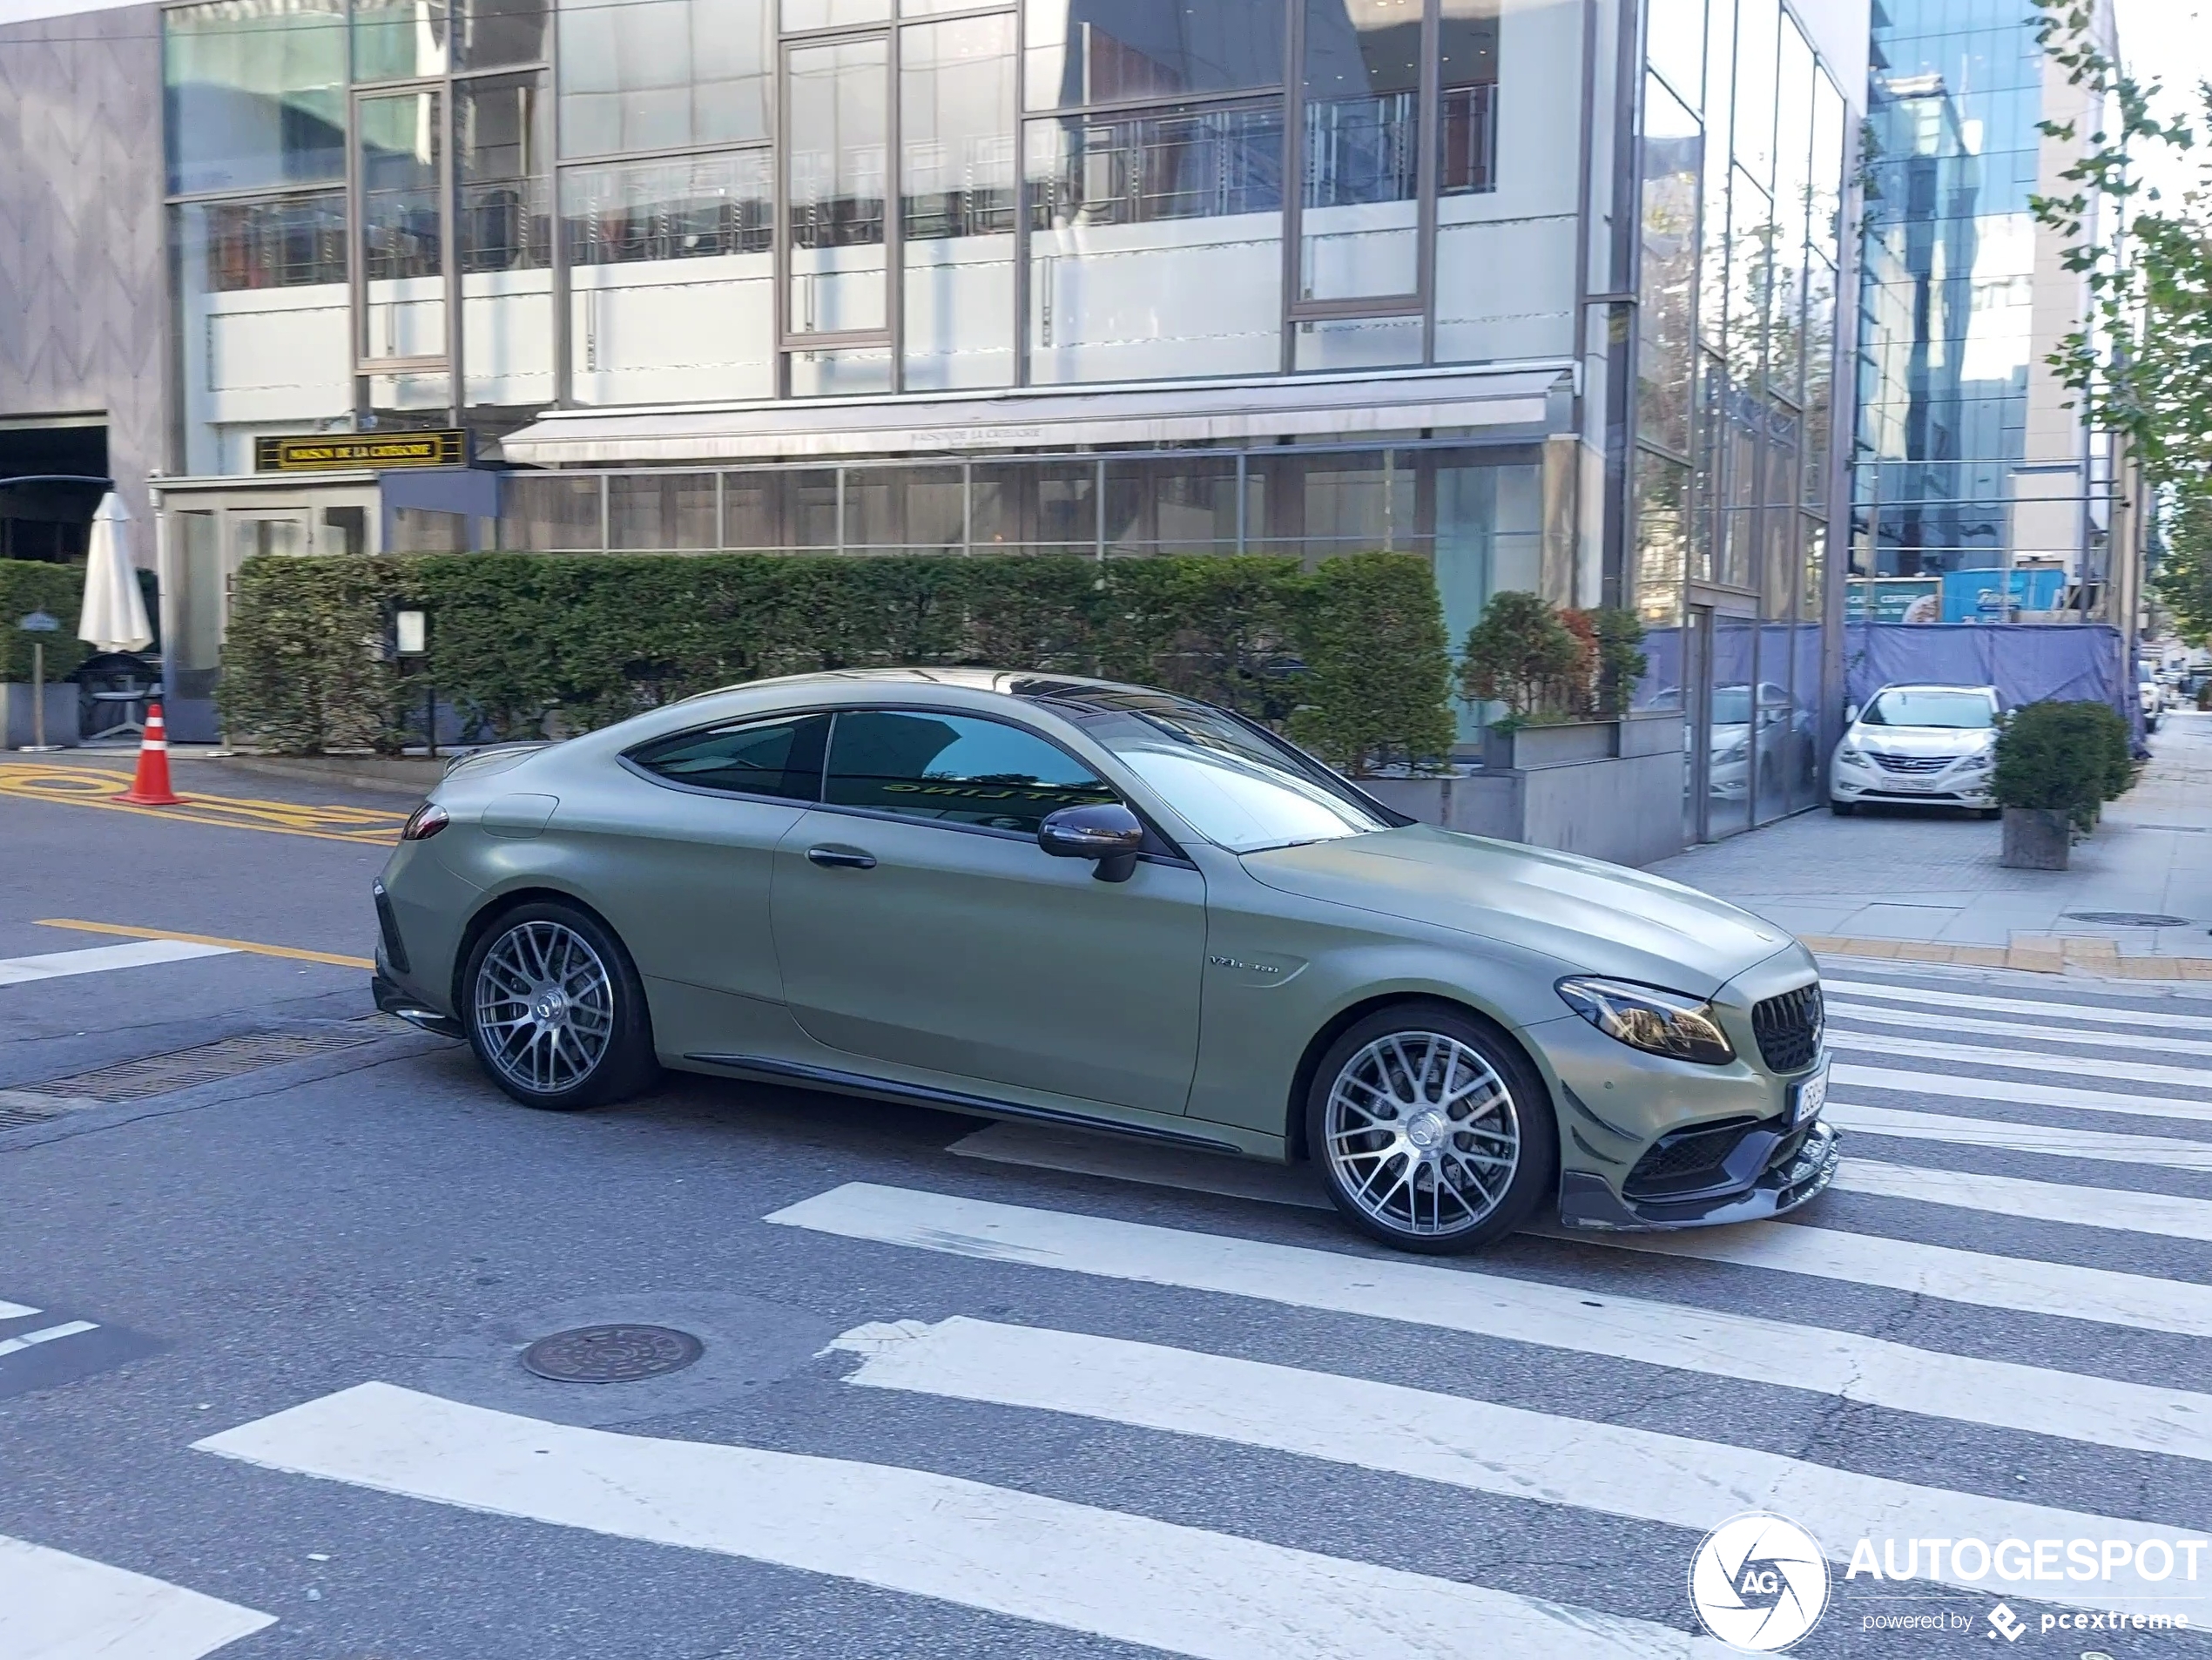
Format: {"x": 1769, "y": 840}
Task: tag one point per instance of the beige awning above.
{"x": 1524, "y": 397}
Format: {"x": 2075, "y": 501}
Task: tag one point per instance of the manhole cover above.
{"x": 612, "y": 1353}
{"x": 2128, "y": 919}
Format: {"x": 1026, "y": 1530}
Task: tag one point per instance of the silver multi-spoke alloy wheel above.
{"x": 1422, "y": 1134}
{"x": 545, "y": 1006}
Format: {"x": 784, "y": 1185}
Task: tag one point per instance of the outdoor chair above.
{"x": 113, "y": 688}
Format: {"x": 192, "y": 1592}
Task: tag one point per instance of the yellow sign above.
{"x": 348, "y": 451}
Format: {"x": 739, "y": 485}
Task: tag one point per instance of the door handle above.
{"x": 837, "y": 858}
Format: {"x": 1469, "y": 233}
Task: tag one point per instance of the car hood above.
{"x": 1921, "y": 740}
{"x": 1590, "y": 916}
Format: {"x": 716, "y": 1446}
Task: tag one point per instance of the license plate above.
{"x": 1907, "y": 781}
{"x": 1807, "y": 1096}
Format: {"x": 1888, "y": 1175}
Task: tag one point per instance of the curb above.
{"x": 412, "y": 779}
{"x": 2043, "y": 955}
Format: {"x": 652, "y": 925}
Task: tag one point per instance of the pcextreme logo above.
{"x": 1759, "y": 1582}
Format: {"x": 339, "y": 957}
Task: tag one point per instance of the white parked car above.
{"x": 1929, "y": 744}
{"x": 2152, "y": 696}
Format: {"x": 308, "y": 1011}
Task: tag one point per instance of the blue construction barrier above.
{"x": 2026, "y": 662}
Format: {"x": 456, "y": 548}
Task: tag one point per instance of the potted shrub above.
{"x": 2057, "y": 764}
{"x": 1551, "y": 669}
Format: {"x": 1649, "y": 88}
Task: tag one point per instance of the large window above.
{"x": 1156, "y": 243}
{"x": 256, "y": 93}
{"x": 662, "y": 74}
{"x": 1083, "y": 52}
{"x": 956, "y": 191}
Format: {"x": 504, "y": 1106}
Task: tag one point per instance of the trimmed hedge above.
{"x": 1352, "y": 655}
{"x": 27, "y": 585}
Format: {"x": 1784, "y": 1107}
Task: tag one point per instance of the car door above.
{"x": 918, "y": 922}
{"x": 679, "y": 845}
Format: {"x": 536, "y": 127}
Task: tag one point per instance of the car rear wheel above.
{"x": 1433, "y": 1131}
{"x": 554, "y": 1010}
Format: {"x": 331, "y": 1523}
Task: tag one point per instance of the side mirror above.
{"x": 1109, "y": 833}
{"x": 1851, "y": 714}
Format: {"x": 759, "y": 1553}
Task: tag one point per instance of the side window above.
{"x": 954, "y": 769}
{"x": 778, "y": 758}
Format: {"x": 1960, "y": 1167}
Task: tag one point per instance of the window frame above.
{"x": 628, "y": 758}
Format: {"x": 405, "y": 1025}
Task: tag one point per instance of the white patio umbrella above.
{"x": 114, "y": 618}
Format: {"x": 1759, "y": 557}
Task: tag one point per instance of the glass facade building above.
{"x": 1542, "y": 290}
{"x": 1968, "y": 456}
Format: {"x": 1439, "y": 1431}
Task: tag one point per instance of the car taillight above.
{"x": 425, "y": 822}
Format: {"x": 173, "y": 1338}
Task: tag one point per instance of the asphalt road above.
{"x": 1019, "y": 1395}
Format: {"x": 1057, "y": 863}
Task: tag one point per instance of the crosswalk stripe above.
{"x": 2162, "y": 1152}
{"x": 54, "y": 1606}
{"x": 99, "y": 959}
{"x": 2079, "y": 1066}
{"x": 2095, "y": 1013}
{"x": 2021, "y": 1285}
{"x": 2021, "y": 1093}
{"x": 16, "y": 1310}
{"x": 1109, "y": 1573}
{"x": 2001, "y": 1394}
{"x": 1921, "y": 1021}
{"x": 1640, "y": 1474}
{"x": 2123, "y": 1210}
{"x": 29, "y": 1339}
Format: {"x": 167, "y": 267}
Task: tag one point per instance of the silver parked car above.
{"x": 1030, "y": 896}
{"x": 1929, "y": 744}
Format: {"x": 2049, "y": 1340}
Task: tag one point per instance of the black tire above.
{"x": 1989, "y": 812}
{"x": 609, "y": 1012}
{"x": 1842, "y": 809}
{"x": 1532, "y": 1180}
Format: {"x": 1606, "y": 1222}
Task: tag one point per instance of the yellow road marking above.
{"x": 253, "y": 947}
{"x": 86, "y": 787}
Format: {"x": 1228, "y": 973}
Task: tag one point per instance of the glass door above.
{"x": 404, "y": 338}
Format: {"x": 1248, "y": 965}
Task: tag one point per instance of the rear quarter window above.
{"x": 780, "y": 759}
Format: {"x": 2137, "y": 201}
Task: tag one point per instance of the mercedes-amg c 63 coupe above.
{"x": 1025, "y": 896}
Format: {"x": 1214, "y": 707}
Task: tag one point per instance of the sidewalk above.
{"x": 1923, "y": 887}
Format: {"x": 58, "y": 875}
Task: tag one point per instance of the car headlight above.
{"x": 1851, "y": 757}
{"x": 1658, "y": 1022}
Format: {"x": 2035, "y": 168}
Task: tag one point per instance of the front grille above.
{"x": 1922, "y": 764}
{"x": 1788, "y": 1028}
{"x": 1685, "y": 1160}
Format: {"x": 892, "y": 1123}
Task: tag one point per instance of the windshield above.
{"x": 1227, "y": 782}
{"x": 1731, "y": 706}
{"x": 1960, "y": 710}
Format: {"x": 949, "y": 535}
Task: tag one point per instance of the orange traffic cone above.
{"x": 150, "y": 788}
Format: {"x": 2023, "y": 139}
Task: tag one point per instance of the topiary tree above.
{"x": 1377, "y": 687}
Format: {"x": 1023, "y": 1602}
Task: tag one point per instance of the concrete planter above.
{"x": 18, "y": 726}
{"x": 1597, "y": 801}
{"x": 1560, "y": 745}
{"x": 2037, "y": 838}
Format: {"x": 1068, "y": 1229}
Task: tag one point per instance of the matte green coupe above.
{"x": 1032, "y": 896}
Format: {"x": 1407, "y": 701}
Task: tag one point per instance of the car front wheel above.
{"x": 555, "y": 1011}
{"x": 1434, "y": 1133}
